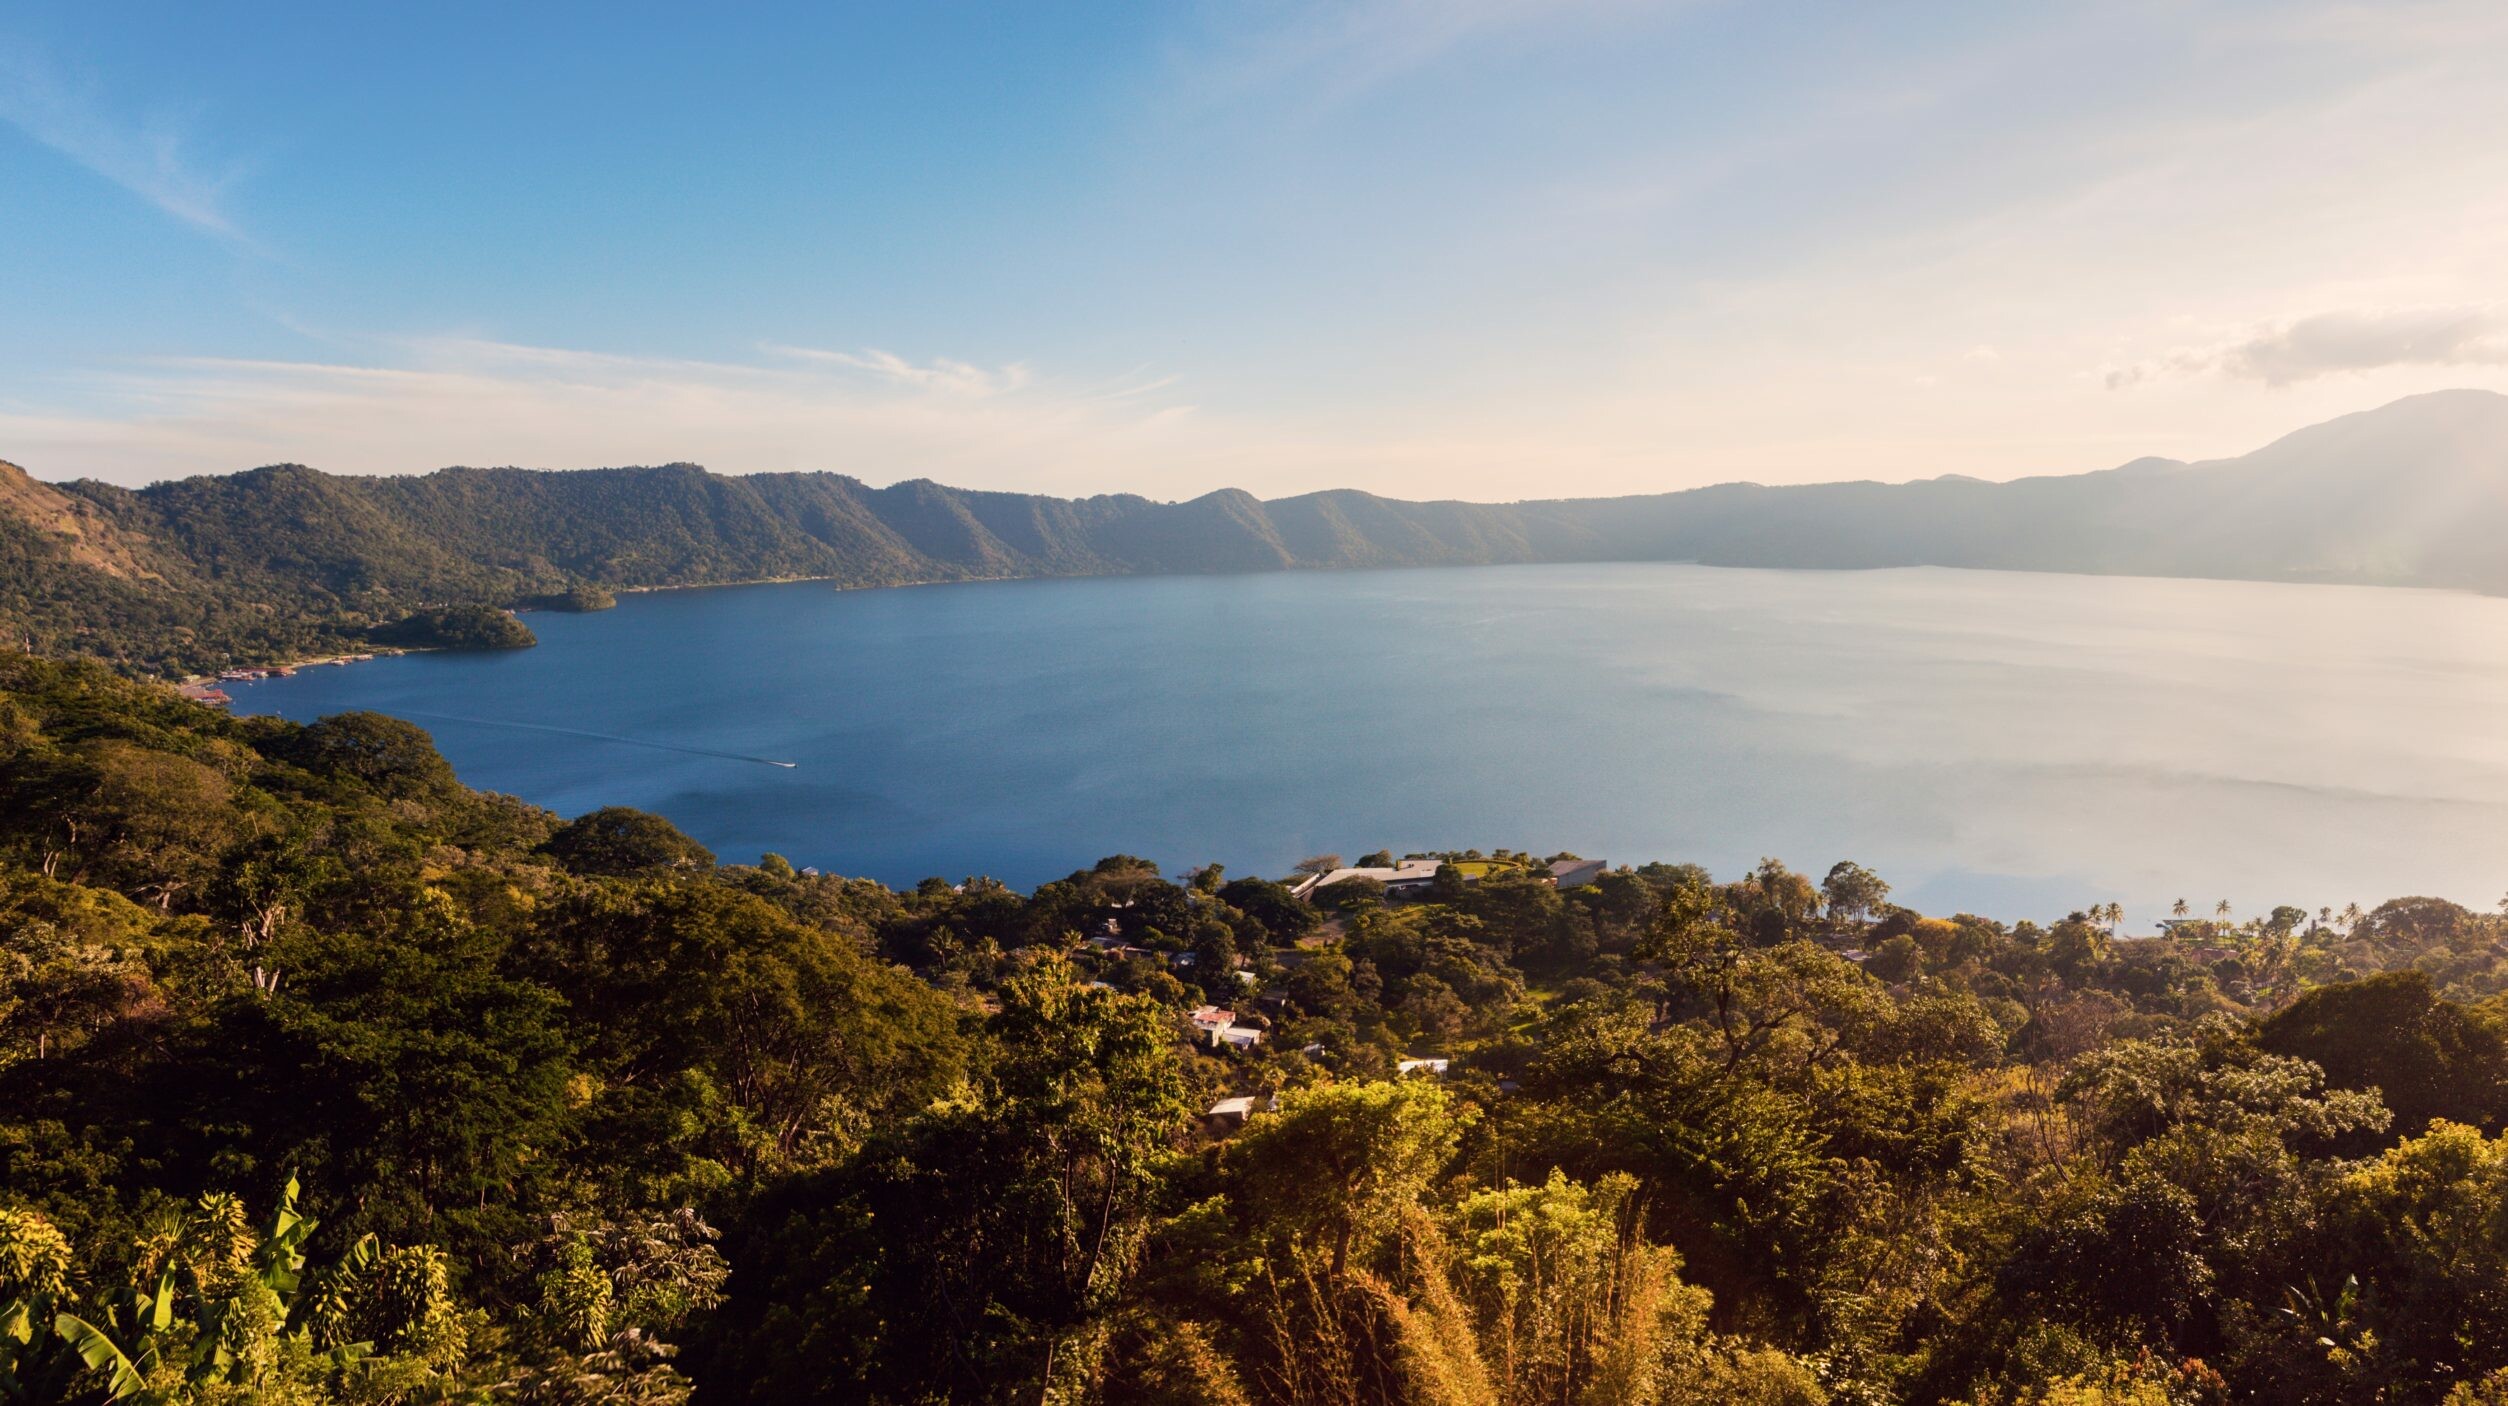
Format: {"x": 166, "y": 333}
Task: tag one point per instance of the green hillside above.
{"x": 287, "y": 560}
{"x": 324, "y": 1079}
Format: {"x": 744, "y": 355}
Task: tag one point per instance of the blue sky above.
{"x": 1483, "y": 248}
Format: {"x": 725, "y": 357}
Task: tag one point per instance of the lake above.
{"x": 2011, "y": 744}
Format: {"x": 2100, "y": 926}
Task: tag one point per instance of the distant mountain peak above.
{"x": 2149, "y": 464}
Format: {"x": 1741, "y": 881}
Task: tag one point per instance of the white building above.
{"x": 1410, "y": 875}
{"x": 1576, "y": 873}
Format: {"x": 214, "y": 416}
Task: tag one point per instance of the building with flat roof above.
{"x": 1407, "y": 876}
{"x": 1576, "y": 873}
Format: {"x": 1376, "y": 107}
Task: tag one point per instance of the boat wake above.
{"x": 596, "y": 737}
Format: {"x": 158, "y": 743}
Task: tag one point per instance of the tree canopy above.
{"x": 326, "y": 1079}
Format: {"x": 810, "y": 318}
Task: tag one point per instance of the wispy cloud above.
{"x": 2335, "y": 342}
{"x": 1333, "y": 53}
{"x": 441, "y": 401}
{"x": 149, "y": 157}
{"x": 941, "y": 375}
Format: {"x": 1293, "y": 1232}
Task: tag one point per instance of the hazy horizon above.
{"x": 879, "y": 483}
{"x": 1487, "y": 251}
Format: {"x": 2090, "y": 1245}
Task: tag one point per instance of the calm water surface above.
{"x": 2005, "y": 743}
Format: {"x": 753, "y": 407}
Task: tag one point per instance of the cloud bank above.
{"x": 2337, "y": 342}
{"x": 2352, "y": 341}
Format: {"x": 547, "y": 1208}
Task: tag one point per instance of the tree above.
{"x": 1571, "y": 1303}
{"x": 1283, "y": 917}
{"x": 1351, "y": 895}
{"x": 394, "y": 757}
{"x": 1339, "y": 1164}
{"x": 807, "y": 1037}
{"x": 424, "y": 1091}
{"x": 979, "y": 1249}
{"x": 1318, "y": 864}
{"x": 1853, "y": 892}
{"x": 1793, "y": 1001}
{"x": 605, "y": 1295}
{"x": 150, "y": 823}
{"x": 1734, "y": 1169}
{"x": 1432, "y": 1009}
{"x": 1320, "y": 985}
{"x": 457, "y": 627}
{"x": 2419, "y": 922}
{"x": 2425, "y": 1229}
{"x": 1773, "y": 903}
{"x": 2427, "y": 1057}
{"x": 2074, "y": 946}
{"x": 622, "y": 840}
{"x": 1896, "y": 959}
{"x": 2137, "y": 1090}
{"x": 56, "y": 990}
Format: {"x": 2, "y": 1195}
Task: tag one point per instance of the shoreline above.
{"x": 842, "y": 584}
{"x": 262, "y": 673}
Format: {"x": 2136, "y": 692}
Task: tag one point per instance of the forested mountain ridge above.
{"x": 326, "y": 1080}
{"x": 2414, "y": 493}
{"x": 287, "y": 559}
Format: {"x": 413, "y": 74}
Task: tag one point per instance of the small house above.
{"x": 1576, "y": 873}
{"x": 1230, "y": 1114}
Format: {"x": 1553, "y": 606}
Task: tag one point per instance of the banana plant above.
{"x": 248, "y": 1294}
{"x": 35, "y": 1258}
{"x": 127, "y": 1373}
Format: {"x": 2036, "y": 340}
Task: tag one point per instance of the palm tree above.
{"x": 2221, "y": 909}
{"x": 2180, "y": 908}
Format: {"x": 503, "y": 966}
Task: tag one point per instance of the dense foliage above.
{"x": 323, "y": 1078}
{"x": 579, "y": 600}
{"x": 456, "y": 627}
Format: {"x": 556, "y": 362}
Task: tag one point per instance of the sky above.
{"x": 1484, "y": 249}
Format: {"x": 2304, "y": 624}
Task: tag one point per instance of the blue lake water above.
{"x": 2015, "y": 744}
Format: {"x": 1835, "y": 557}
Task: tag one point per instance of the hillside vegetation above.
{"x": 325, "y": 1079}
{"x": 286, "y": 561}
